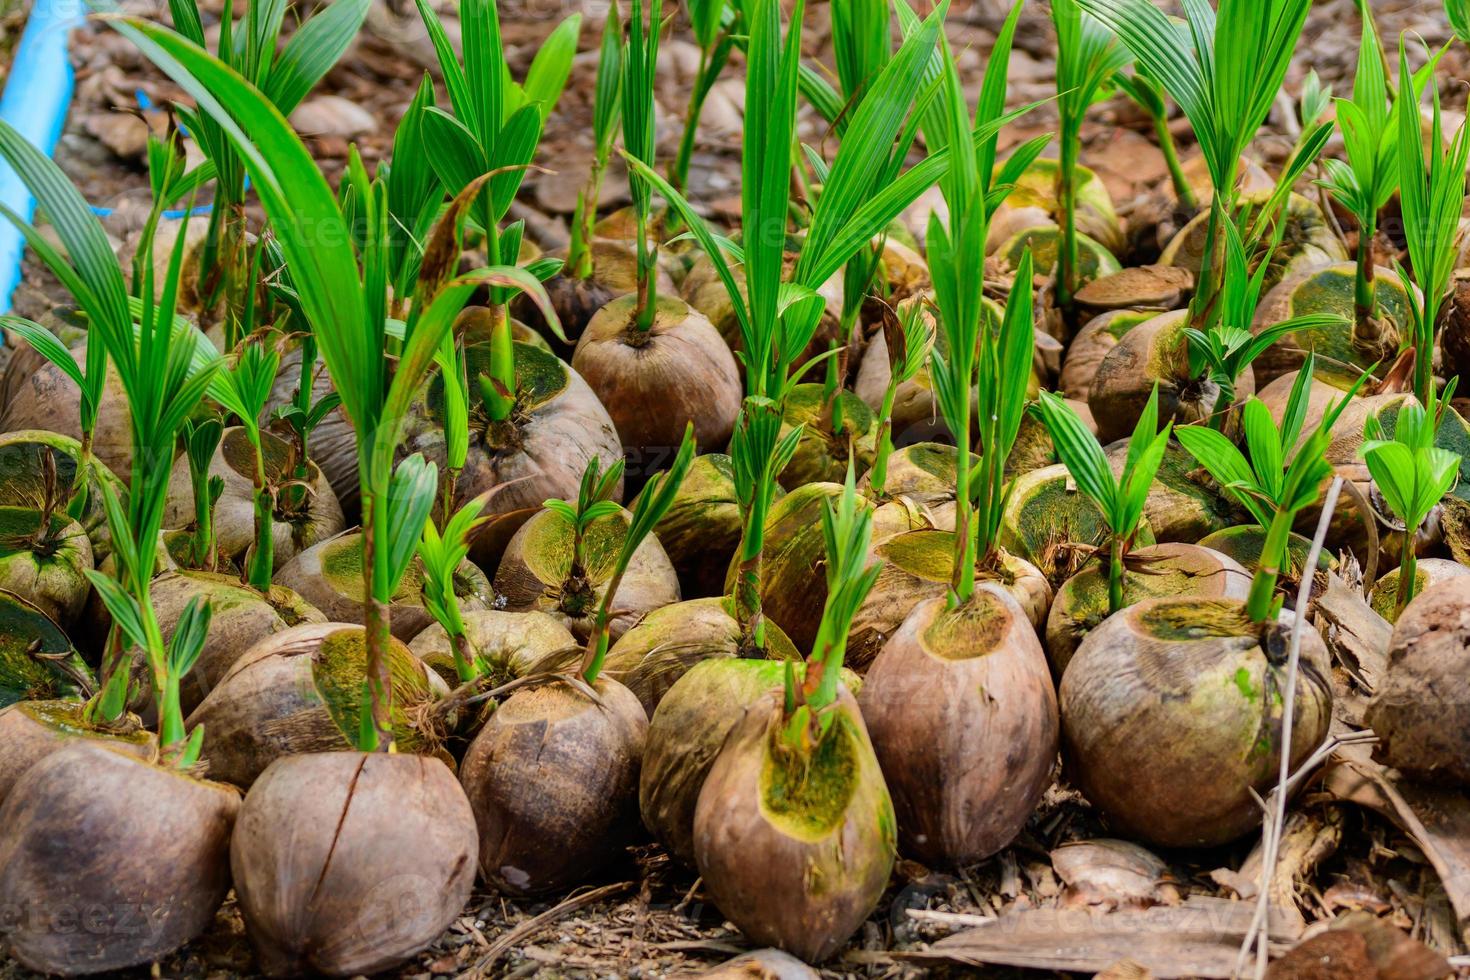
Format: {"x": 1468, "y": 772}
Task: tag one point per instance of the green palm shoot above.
{"x": 344, "y": 294}
{"x": 909, "y": 335}
{"x": 442, "y": 552}
{"x": 758, "y": 454}
{"x": 606, "y": 111}
{"x": 1412, "y": 474}
{"x": 244, "y": 389}
{"x": 1432, "y": 198}
{"x": 494, "y": 129}
{"x": 991, "y": 363}
{"x": 1222, "y": 353}
{"x": 1364, "y": 182}
{"x": 1120, "y": 498}
{"x": 285, "y": 74}
{"x": 650, "y": 507}
{"x": 201, "y": 437}
{"x": 640, "y": 62}
{"x": 596, "y": 499}
{"x": 1223, "y": 70}
{"x": 1282, "y": 476}
{"x": 1087, "y": 57}
{"x": 847, "y": 530}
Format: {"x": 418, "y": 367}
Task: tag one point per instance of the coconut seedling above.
{"x": 1412, "y": 475}
{"x": 1148, "y": 95}
{"x": 797, "y": 781}
{"x": 1087, "y": 57}
{"x": 162, "y": 848}
{"x": 909, "y": 333}
{"x": 1223, "y": 71}
{"x": 243, "y": 389}
{"x": 597, "y": 270}
{"x": 654, "y": 362}
{"x": 442, "y": 553}
{"x": 1120, "y": 489}
{"x": 1134, "y": 691}
{"x": 306, "y": 881}
{"x": 553, "y": 774}
{"x": 963, "y": 672}
{"x": 1432, "y": 197}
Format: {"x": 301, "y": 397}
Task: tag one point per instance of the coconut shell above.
{"x": 242, "y": 617}
{"x": 1422, "y": 708}
{"x": 553, "y": 780}
{"x": 652, "y": 656}
{"x": 300, "y": 691}
{"x": 653, "y": 383}
{"x": 1093, "y": 342}
{"x": 821, "y": 824}
{"x": 49, "y": 574}
{"x": 1330, "y": 289}
{"x": 1428, "y": 573}
{"x": 963, "y": 718}
{"x": 1046, "y": 514}
{"x": 1044, "y": 241}
{"x": 1308, "y": 241}
{"x": 1033, "y": 201}
{"x": 821, "y": 454}
{"x": 1172, "y": 569}
{"x": 704, "y": 290}
{"x": 350, "y": 863}
{"x": 576, "y": 301}
{"x": 685, "y": 734}
{"x": 139, "y": 852}
{"x": 328, "y": 576}
{"x": 703, "y": 527}
{"x": 511, "y": 642}
{"x": 45, "y": 397}
{"x": 1143, "y": 287}
{"x": 923, "y": 473}
{"x": 1154, "y": 352}
{"x": 1171, "y": 717}
{"x": 234, "y": 513}
{"x": 32, "y": 730}
{"x": 536, "y": 573}
{"x": 22, "y": 483}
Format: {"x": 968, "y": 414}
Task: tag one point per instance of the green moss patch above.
{"x": 25, "y": 632}
{"x": 806, "y": 796}
{"x": 1197, "y": 620}
{"x": 338, "y": 670}
{"x": 971, "y": 630}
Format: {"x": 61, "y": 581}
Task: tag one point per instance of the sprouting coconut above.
{"x": 44, "y": 556}
{"x": 1171, "y": 715}
{"x": 706, "y": 292}
{"x": 508, "y": 644}
{"x": 922, "y": 474}
{"x": 1383, "y": 597}
{"x": 1183, "y": 503}
{"x": 562, "y": 565}
{"x": 1172, "y": 708}
{"x": 45, "y": 397}
{"x": 1044, "y": 243}
{"x": 1047, "y": 518}
{"x": 654, "y": 361}
{"x": 393, "y": 864}
{"x": 141, "y": 850}
{"x": 798, "y": 783}
{"x": 1244, "y": 544}
{"x": 27, "y": 458}
{"x": 553, "y": 774}
{"x": 294, "y": 527}
{"x": 31, "y": 730}
{"x": 612, "y": 273}
{"x": 328, "y": 576}
{"x": 300, "y": 691}
{"x": 1171, "y": 569}
{"x": 836, "y": 425}
{"x": 1420, "y": 709}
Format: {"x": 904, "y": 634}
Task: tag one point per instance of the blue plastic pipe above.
{"x": 35, "y": 101}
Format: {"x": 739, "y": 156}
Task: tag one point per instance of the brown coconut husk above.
{"x": 512, "y": 644}
{"x": 963, "y": 717}
{"x": 703, "y": 526}
{"x": 1428, "y": 573}
{"x": 300, "y": 691}
{"x": 32, "y": 730}
{"x": 350, "y": 863}
{"x": 553, "y": 780}
{"x": 576, "y": 301}
{"x": 139, "y": 850}
{"x": 1171, "y": 717}
{"x": 42, "y": 396}
{"x": 795, "y": 849}
{"x": 654, "y": 382}
{"x": 1093, "y": 342}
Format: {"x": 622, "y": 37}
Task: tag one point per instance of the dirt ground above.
{"x": 648, "y": 918}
